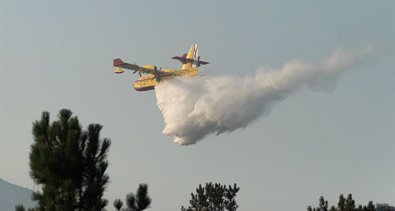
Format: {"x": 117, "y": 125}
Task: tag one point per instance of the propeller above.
{"x": 157, "y": 76}
{"x": 136, "y": 70}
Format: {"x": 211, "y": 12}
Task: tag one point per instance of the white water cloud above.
{"x": 195, "y": 107}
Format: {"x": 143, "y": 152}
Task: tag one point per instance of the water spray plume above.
{"x": 195, "y": 107}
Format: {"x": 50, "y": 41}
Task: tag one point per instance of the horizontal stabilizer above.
{"x": 119, "y": 63}
{"x": 185, "y": 60}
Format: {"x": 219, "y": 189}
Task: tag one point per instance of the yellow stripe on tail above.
{"x": 192, "y": 54}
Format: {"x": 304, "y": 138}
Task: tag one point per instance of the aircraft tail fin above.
{"x": 192, "y": 54}
{"x": 190, "y": 59}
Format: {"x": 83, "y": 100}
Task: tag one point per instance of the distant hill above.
{"x": 11, "y": 195}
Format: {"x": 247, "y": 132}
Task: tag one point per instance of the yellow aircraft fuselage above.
{"x": 149, "y": 82}
{"x": 191, "y": 61}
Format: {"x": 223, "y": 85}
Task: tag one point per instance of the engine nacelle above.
{"x": 148, "y": 66}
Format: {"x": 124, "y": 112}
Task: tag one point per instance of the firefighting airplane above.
{"x": 191, "y": 61}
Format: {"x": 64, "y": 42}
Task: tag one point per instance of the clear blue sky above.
{"x": 59, "y": 55}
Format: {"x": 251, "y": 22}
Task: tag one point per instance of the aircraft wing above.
{"x": 120, "y": 64}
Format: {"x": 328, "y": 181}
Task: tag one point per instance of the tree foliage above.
{"x": 140, "y": 200}
{"x": 348, "y": 204}
{"x": 118, "y": 204}
{"x": 213, "y": 197}
{"x": 19, "y": 207}
{"x": 68, "y": 163}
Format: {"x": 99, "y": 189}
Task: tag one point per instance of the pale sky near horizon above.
{"x": 56, "y": 55}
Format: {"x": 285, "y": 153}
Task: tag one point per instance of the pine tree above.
{"x": 370, "y": 206}
{"x": 139, "y": 201}
{"x": 341, "y": 203}
{"x": 349, "y": 204}
{"x": 95, "y": 160}
{"x": 19, "y": 207}
{"x": 323, "y": 204}
{"x": 213, "y": 197}
{"x": 118, "y": 204}
{"x": 68, "y": 163}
